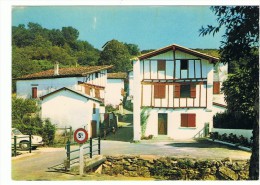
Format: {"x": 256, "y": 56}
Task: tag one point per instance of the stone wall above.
{"x": 168, "y": 168}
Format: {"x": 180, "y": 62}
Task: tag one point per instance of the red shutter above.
{"x": 87, "y": 90}
{"x": 34, "y": 92}
{"x": 191, "y": 120}
{"x": 193, "y": 90}
{"x": 216, "y": 87}
{"x": 184, "y": 120}
{"x": 177, "y": 91}
{"x": 159, "y": 90}
{"x": 97, "y": 93}
{"x": 161, "y": 65}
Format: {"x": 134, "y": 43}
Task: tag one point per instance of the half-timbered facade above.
{"x": 176, "y": 84}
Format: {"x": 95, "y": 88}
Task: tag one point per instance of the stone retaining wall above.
{"x": 176, "y": 169}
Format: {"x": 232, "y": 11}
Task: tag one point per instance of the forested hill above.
{"x": 36, "y": 49}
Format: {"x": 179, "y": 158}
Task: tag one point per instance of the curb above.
{"x": 231, "y": 144}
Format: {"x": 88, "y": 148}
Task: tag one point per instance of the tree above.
{"x": 133, "y": 49}
{"x": 116, "y": 53}
{"x": 240, "y": 45}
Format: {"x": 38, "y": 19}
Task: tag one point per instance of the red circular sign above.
{"x": 80, "y": 135}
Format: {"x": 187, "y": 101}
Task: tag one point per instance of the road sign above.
{"x": 80, "y": 135}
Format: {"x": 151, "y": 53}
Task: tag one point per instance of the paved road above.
{"x": 35, "y": 166}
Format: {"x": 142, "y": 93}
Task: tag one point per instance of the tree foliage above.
{"x": 26, "y": 118}
{"x": 240, "y": 48}
{"x": 117, "y": 54}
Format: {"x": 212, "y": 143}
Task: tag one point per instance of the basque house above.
{"x": 174, "y": 87}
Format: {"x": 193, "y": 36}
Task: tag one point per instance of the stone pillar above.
{"x": 137, "y": 99}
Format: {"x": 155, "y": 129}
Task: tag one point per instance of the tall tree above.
{"x": 240, "y": 45}
{"x": 116, "y": 53}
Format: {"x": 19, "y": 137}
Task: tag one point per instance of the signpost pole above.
{"x": 81, "y": 159}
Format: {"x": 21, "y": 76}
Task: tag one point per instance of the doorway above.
{"x": 93, "y": 128}
{"x": 162, "y": 124}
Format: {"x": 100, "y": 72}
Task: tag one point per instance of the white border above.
{"x": 5, "y": 74}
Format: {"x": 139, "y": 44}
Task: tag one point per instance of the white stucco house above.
{"x": 68, "y": 96}
{"x": 115, "y": 88}
{"x": 175, "y": 85}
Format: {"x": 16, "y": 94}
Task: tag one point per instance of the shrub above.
{"x": 230, "y": 120}
{"x": 109, "y": 108}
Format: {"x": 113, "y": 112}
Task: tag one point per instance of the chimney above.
{"x": 56, "y": 68}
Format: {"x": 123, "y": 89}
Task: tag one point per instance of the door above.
{"x": 93, "y": 128}
{"x": 162, "y": 124}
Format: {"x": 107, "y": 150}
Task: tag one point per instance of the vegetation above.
{"x": 231, "y": 120}
{"x": 144, "y": 117}
{"x": 26, "y": 118}
{"x": 117, "y": 54}
{"x": 240, "y": 49}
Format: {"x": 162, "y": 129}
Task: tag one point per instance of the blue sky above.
{"x": 150, "y": 27}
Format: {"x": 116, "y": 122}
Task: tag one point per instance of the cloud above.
{"x": 94, "y": 24}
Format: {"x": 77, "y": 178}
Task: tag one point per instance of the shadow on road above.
{"x": 124, "y": 134}
{"x": 201, "y": 143}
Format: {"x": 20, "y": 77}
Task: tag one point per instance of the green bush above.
{"x": 26, "y": 118}
{"x": 230, "y": 120}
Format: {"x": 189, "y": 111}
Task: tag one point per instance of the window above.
{"x": 184, "y": 64}
{"x": 96, "y": 74}
{"x": 161, "y": 65}
{"x": 94, "y": 108}
{"x": 159, "y": 90}
{"x": 97, "y": 93}
{"x": 185, "y": 90}
{"x": 34, "y": 92}
{"x": 216, "y": 87}
{"x": 188, "y": 120}
{"x": 87, "y": 90}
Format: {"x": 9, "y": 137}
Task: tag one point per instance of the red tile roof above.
{"x": 66, "y": 72}
{"x": 179, "y": 48}
{"x": 119, "y": 75}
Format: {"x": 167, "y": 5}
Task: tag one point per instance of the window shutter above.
{"x": 94, "y": 108}
{"x": 191, "y": 120}
{"x": 97, "y": 93}
{"x": 184, "y": 120}
{"x": 161, "y": 65}
{"x": 87, "y": 90}
{"x": 193, "y": 90}
{"x": 159, "y": 90}
{"x": 34, "y": 92}
{"x": 216, "y": 87}
{"x": 177, "y": 91}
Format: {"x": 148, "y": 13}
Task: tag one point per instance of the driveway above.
{"x": 35, "y": 166}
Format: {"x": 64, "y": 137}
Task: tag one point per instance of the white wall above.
{"x": 113, "y": 91}
{"x": 246, "y": 133}
{"x": 65, "y": 108}
{"x": 174, "y": 129}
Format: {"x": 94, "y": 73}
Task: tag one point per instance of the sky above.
{"x": 150, "y": 27}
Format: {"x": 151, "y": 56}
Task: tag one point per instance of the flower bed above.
{"x": 232, "y": 138}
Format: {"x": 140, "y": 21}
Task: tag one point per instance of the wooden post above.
{"x": 15, "y": 147}
{"x": 30, "y": 143}
{"x": 81, "y": 159}
{"x": 90, "y": 147}
{"x": 99, "y": 146}
{"x": 68, "y": 154}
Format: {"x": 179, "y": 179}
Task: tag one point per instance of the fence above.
{"x": 203, "y": 132}
{"x": 94, "y": 149}
{"x": 20, "y": 144}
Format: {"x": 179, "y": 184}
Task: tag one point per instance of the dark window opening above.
{"x": 184, "y": 64}
{"x": 96, "y": 74}
{"x": 185, "y": 91}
